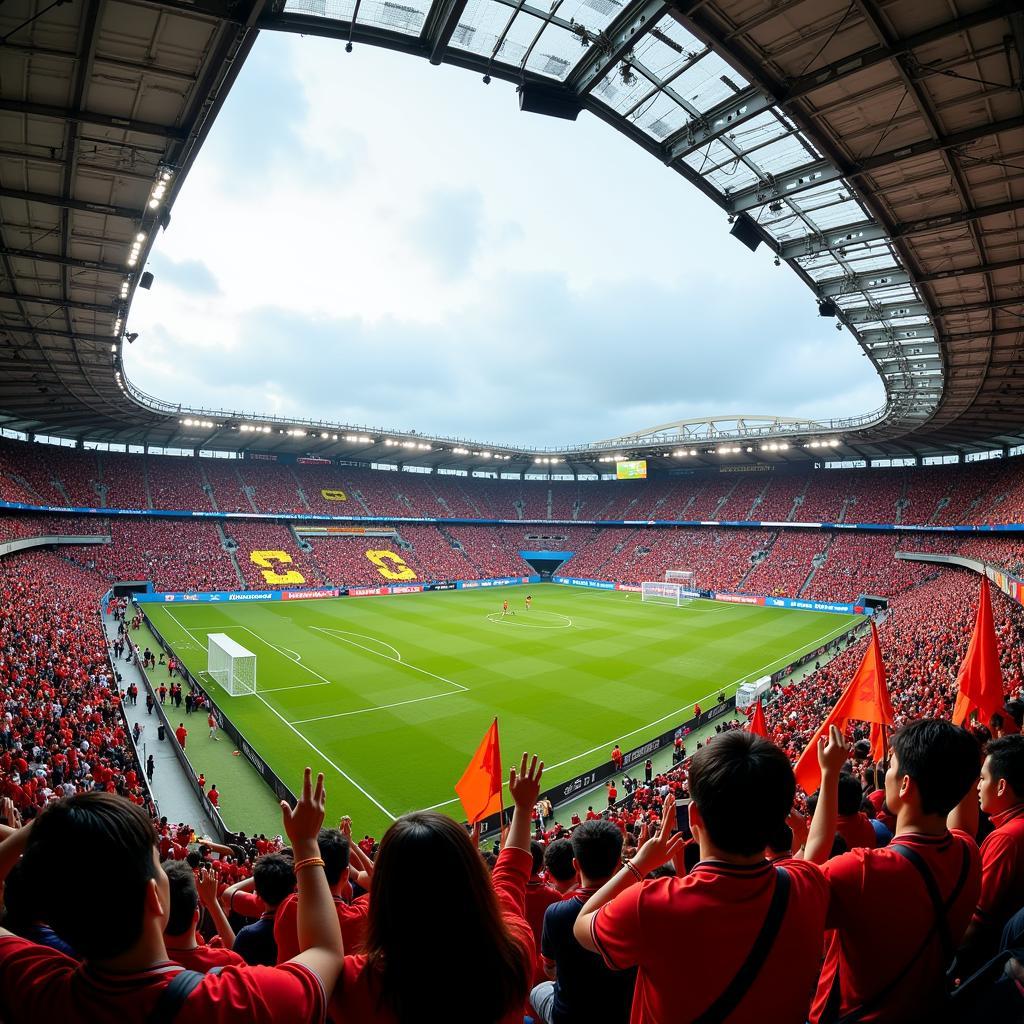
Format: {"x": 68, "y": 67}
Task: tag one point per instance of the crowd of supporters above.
{"x": 585, "y": 921}
{"x": 982, "y": 492}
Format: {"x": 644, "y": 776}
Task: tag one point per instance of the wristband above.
{"x": 634, "y": 869}
{"x": 308, "y": 862}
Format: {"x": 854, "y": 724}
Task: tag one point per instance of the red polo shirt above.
{"x": 351, "y": 917}
{"x": 38, "y": 983}
{"x": 689, "y": 936}
{"x": 856, "y": 830}
{"x": 356, "y": 996}
{"x": 1002, "y": 871}
{"x": 539, "y": 896}
{"x": 205, "y": 958}
{"x": 880, "y": 913}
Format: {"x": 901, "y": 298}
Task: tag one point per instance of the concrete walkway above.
{"x": 172, "y": 790}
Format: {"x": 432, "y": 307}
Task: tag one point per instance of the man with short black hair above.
{"x": 111, "y": 899}
{"x": 274, "y": 881}
{"x": 1001, "y": 796}
{"x": 183, "y": 916}
{"x": 334, "y": 849}
{"x": 751, "y": 931}
{"x": 560, "y": 865}
{"x": 886, "y": 955}
{"x": 584, "y": 989}
{"x": 853, "y": 824}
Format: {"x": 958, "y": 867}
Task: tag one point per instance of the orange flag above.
{"x": 758, "y": 726}
{"x": 479, "y": 789}
{"x": 865, "y": 699}
{"x": 980, "y": 682}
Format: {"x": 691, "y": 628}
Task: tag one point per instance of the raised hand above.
{"x": 832, "y": 751}
{"x": 206, "y": 886}
{"x": 524, "y": 785}
{"x": 303, "y": 821}
{"x": 660, "y": 848}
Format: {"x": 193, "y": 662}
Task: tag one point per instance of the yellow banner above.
{"x": 390, "y": 565}
{"x": 329, "y": 495}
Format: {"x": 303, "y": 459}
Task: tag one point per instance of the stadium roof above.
{"x": 877, "y": 147}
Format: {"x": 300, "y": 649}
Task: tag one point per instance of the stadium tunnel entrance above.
{"x": 546, "y": 563}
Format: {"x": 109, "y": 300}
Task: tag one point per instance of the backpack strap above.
{"x": 941, "y": 908}
{"x": 745, "y": 977}
{"x": 172, "y": 999}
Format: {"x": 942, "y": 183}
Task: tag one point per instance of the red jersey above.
{"x": 38, "y": 983}
{"x": 356, "y": 995}
{"x": 351, "y": 917}
{"x": 213, "y": 796}
{"x": 181, "y": 732}
{"x": 1002, "y": 872}
{"x": 248, "y": 904}
{"x": 725, "y": 905}
{"x": 205, "y": 958}
{"x": 879, "y": 914}
{"x": 857, "y": 830}
{"x": 539, "y": 896}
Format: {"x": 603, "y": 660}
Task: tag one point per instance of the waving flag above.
{"x": 479, "y": 789}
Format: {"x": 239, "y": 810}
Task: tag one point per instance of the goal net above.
{"x": 665, "y": 593}
{"x": 230, "y": 664}
{"x": 683, "y": 576}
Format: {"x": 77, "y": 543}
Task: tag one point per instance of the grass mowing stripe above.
{"x": 611, "y": 673}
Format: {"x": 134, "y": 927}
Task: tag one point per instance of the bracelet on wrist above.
{"x": 634, "y": 870}
{"x": 308, "y": 862}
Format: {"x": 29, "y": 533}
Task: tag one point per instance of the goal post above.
{"x": 660, "y": 592}
{"x": 230, "y": 665}
{"x": 683, "y": 576}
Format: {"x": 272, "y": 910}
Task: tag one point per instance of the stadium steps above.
{"x": 248, "y": 490}
{"x": 452, "y": 541}
{"x": 816, "y": 563}
{"x": 942, "y": 503}
{"x": 724, "y": 500}
{"x": 303, "y": 497}
{"x": 472, "y": 504}
{"x": 207, "y": 486}
{"x": 67, "y": 499}
{"x": 551, "y": 499}
{"x": 518, "y": 506}
{"x": 358, "y": 495}
{"x": 848, "y": 502}
{"x": 302, "y": 545}
{"x": 764, "y": 552}
{"x": 759, "y": 500}
{"x": 27, "y": 487}
{"x": 798, "y": 500}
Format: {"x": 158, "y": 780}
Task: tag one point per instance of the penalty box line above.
{"x": 305, "y": 739}
{"x": 459, "y": 688}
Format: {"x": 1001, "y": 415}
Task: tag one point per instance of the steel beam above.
{"x": 441, "y": 23}
{"x": 126, "y": 124}
{"x": 782, "y": 186}
{"x": 625, "y": 31}
{"x": 977, "y": 307}
{"x": 873, "y": 55}
{"x": 715, "y": 122}
{"x": 836, "y": 238}
{"x": 888, "y": 311}
{"x": 910, "y": 338}
{"x": 91, "y": 307}
{"x": 832, "y": 286}
{"x": 105, "y": 209}
{"x": 51, "y": 257}
{"x": 98, "y": 339}
{"x": 945, "y": 220}
{"x": 980, "y": 268}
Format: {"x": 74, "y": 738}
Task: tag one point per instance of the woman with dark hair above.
{"x": 446, "y": 938}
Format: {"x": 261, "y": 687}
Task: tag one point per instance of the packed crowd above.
{"x": 63, "y": 731}
{"x": 982, "y": 492}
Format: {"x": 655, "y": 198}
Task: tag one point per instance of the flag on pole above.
{"x": 757, "y": 724}
{"x": 980, "y": 681}
{"x": 865, "y": 699}
{"x": 479, "y": 789}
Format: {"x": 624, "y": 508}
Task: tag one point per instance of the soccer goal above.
{"x": 230, "y": 664}
{"x": 683, "y": 576}
{"x": 666, "y": 593}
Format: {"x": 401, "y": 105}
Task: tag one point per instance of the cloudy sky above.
{"x": 379, "y": 242}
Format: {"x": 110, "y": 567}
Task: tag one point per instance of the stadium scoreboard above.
{"x": 632, "y": 470}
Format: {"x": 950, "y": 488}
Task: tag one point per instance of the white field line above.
{"x": 382, "y": 707}
{"x": 316, "y": 750}
{"x": 294, "y": 656}
{"x": 340, "y": 634}
{"x": 297, "y": 686}
{"x": 643, "y": 728}
{"x": 497, "y": 617}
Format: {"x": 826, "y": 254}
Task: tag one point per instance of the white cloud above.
{"x": 395, "y": 244}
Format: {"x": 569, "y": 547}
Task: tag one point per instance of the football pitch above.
{"x": 390, "y": 696}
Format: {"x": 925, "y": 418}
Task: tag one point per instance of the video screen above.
{"x": 635, "y": 470}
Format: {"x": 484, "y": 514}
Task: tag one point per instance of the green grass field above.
{"x": 390, "y": 696}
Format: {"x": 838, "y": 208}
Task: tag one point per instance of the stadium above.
{"x": 772, "y": 664}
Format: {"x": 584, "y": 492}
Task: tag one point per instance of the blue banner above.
{"x": 501, "y": 581}
{"x": 574, "y": 581}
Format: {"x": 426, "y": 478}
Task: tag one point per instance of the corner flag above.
{"x": 479, "y": 789}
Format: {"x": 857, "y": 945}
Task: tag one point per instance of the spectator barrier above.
{"x": 269, "y": 775}
{"x": 1010, "y": 585}
{"x": 24, "y": 543}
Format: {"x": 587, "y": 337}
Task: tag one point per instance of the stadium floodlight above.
{"x": 230, "y": 665}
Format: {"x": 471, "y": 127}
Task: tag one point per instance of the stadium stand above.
{"x": 269, "y": 556}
